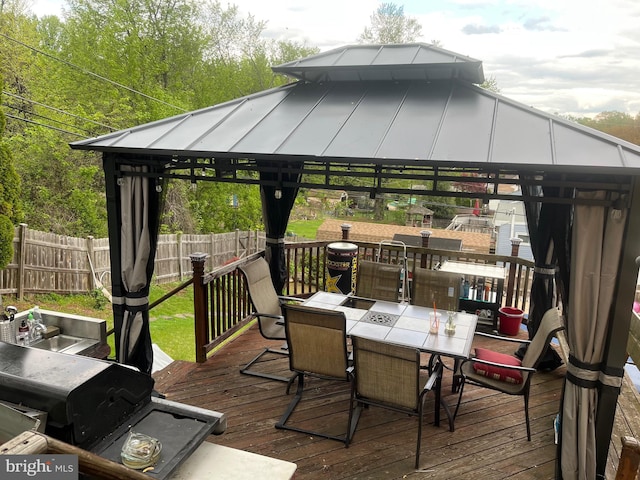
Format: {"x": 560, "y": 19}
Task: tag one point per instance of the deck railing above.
{"x": 221, "y": 300}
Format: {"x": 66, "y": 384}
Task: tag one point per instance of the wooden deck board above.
{"x": 489, "y": 440}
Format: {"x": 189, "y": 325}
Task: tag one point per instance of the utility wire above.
{"x": 46, "y": 126}
{"x": 22, "y": 110}
{"x": 4, "y": 92}
{"x": 87, "y": 72}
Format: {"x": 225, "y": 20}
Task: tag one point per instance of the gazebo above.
{"x": 415, "y": 112}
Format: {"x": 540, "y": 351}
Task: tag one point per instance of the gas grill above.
{"x": 93, "y": 404}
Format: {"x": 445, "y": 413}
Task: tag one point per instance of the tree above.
{"x": 10, "y": 208}
{"x": 390, "y": 25}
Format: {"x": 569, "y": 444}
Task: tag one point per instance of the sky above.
{"x": 568, "y": 57}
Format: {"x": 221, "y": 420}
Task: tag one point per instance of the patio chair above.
{"x": 431, "y": 286}
{"x": 317, "y": 347}
{"x": 379, "y": 281}
{"x": 268, "y": 312}
{"x": 389, "y": 376}
{"x": 506, "y": 373}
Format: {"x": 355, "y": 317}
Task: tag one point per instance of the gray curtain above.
{"x": 596, "y": 245}
{"x": 134, "y": 237}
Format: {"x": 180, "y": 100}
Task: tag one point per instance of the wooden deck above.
{"x": 489, "y": 440}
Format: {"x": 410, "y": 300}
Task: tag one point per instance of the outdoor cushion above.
{"x": 497, "y": 373}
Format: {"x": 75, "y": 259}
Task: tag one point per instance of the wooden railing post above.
{"x": 345, "y": 231}
{"x": 200, "y": 309}
{"x": 425, "y": 234}
{"x": 515, "y": 248}
{"x": 629, "y": 459}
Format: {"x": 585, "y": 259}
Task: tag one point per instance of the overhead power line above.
{"x": 9, "y": 94}
{"x": 88, "y": 72}
{"x": 44, "y": 125}
{"x": 27, "y": 112}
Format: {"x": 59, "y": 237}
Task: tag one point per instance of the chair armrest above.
{"x": 284, "y": 298}
{"x": 501, "y": 365}
{"x": 278, "y": 318}
{"x": 504, "y": 339}
{"x": 433, "y": 378}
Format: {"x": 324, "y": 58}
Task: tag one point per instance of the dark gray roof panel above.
{"x": 448, "y": 121}
{"x": 324, "y": 121}
{"x": 578, "y": 149}
{"x": 385, "y": 62}
{"x": 465, "y": 134}
{"x": 415, "y": 127}
{"x": 521, "y": 131}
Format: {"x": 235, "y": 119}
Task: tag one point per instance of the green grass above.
{"x": 171, "y": 322}
{"x": 305, "y": 228}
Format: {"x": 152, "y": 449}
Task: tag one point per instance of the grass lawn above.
{"x": 305, "y": 228}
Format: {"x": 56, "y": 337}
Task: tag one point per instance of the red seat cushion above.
{"x": 497, "y": 373}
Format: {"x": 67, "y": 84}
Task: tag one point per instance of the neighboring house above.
{"x": 510, "y": 221}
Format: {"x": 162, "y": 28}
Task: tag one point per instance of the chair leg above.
{"x": 526, "y": 414}
{"x": 462, "y": 382}
{"x": 280, "y": 378}
{"x": 420, "y": 411}
{"x": 282, "y": 423}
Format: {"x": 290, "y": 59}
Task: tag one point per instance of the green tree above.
{"x": 390, "y": 25}
{"x": 621, "y": 125}
{"x": 10, "y": 208}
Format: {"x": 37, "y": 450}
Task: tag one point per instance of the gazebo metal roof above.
{"x": 399, "y": 111}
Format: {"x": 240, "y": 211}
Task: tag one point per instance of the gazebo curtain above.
{"x": 549, "y": 228}
{"x": 597, "y": 239}
{"x": 133, "y": 235}
{"x": 277, "y": 202}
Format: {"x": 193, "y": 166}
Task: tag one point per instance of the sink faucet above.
{"x": 37, "y": 330}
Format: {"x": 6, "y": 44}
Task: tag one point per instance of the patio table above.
{"x": 402, "y": 324}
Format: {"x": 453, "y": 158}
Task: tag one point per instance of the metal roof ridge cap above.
{"x": 338, "y": 57}
{"x": 184, "y": 119}
{"x": 552, "y": 142}
{"x": 214, "y": 126}
{"x": 364, "y": 93}
{"x": 324, "y": 95}
{"x": 492, "y": 136}
{"x": 623, "y": 157}
{"x": 117, "y": 138}
{"x": 380, "y": 49}
{"x": 441, "y": 122}
{"x": 391, "y": 122}
{"x": 257, "y": 123}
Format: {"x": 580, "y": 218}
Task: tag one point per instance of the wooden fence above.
{"x": 50, "y": 263}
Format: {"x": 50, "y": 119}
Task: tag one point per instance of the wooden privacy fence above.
{"x": 50, "y": 263}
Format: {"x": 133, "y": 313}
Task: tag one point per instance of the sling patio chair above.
{"x": 378, "y": 281}
{"x": 268, "y": 312}
{"x": 318, "y": 348}
{"x": 431, "y": 286}
{"x": 389, "y": 376}
{"x": 506, "y": 373}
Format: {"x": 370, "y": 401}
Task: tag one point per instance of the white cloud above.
{"x": 562, "y": 56}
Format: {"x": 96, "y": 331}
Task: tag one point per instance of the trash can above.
{"x": 342, "y": 259}
{"x": 510, "y": 319}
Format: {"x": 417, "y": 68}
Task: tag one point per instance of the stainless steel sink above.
{"x": 64, "y": 343}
